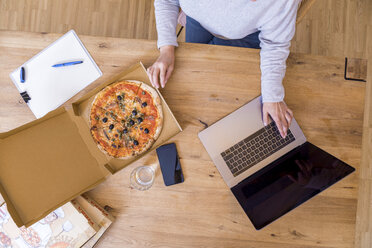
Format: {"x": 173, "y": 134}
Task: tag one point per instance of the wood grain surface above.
{"x": 363, "y": 230}
{"x": 356, "y": 69}
{"x": 209, "y": 82}
{"x": 115, "y": 18}
{"x": 330, "y": 27}
{"x": 335, "y": 28}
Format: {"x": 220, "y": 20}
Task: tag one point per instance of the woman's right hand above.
{"x": 162, "y": 69}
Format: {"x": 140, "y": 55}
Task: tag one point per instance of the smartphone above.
{"x": 170, "y": 164}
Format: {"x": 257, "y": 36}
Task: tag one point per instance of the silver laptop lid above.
{"x": 234, "y": 128}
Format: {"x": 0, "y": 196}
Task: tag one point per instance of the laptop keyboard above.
{"x": 255, "y": 148}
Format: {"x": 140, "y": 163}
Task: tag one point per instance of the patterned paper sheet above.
{"x": 63, "y": 228}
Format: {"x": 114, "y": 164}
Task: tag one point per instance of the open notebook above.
{"x": 49, "y": 87}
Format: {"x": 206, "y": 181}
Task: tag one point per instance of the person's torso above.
{"x": 238, "y": 18}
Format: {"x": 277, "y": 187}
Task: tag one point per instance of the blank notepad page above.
{"x": 49, "y": 87}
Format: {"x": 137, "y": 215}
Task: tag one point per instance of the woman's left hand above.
{"x": 280, "y": 113}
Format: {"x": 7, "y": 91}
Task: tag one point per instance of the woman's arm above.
{"x": 275, "y": 40}
{"x": 166, "y": 13}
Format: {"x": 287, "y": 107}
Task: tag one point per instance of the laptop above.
{"x": 268, "y": 175}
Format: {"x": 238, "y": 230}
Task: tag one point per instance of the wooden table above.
{"x": 208, "y": 83}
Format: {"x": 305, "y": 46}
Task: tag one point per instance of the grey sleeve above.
{"x": 166, "y": 13}
{"x": 275, "y": 40}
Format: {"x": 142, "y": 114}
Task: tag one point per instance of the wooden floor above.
{"x": 341, "y": 28}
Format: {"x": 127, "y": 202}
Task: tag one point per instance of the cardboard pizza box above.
{"x": 82, "y": 110}
{"x": 49, "y": 161}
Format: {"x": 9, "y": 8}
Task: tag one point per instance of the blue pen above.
{"x": 68, "y": 63}
{"x": 23, "y": 75}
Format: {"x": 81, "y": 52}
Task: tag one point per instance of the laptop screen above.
{"x": 288, "y": 182}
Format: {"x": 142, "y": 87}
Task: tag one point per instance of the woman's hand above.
{"x": 161, "y": 70}
{"x": 280, "y": 113}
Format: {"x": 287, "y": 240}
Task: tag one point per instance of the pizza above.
{"x": 126, "y": 118}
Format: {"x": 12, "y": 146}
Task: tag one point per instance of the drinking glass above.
{"x": 142, "y": 177}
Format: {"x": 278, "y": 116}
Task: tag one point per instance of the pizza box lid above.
{"x": 49, "y": 161}
{"x": 82, "y": 110}
{"x": 44, "y": 164}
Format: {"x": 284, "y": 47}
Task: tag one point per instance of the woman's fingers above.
{"x": 281, "y": 115}
{"x": 169, "y": 73}
{"x": 279, "y": 124}
{"x": 289, "y": 118}
{"x": 161, "y": 70}
{"x": 155, "y": 77}
{"x": 162, "y": 76}
{"x": 284, "y": 123}
{"x": 290, "y": 112}
{"x": 159, "y": 74}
